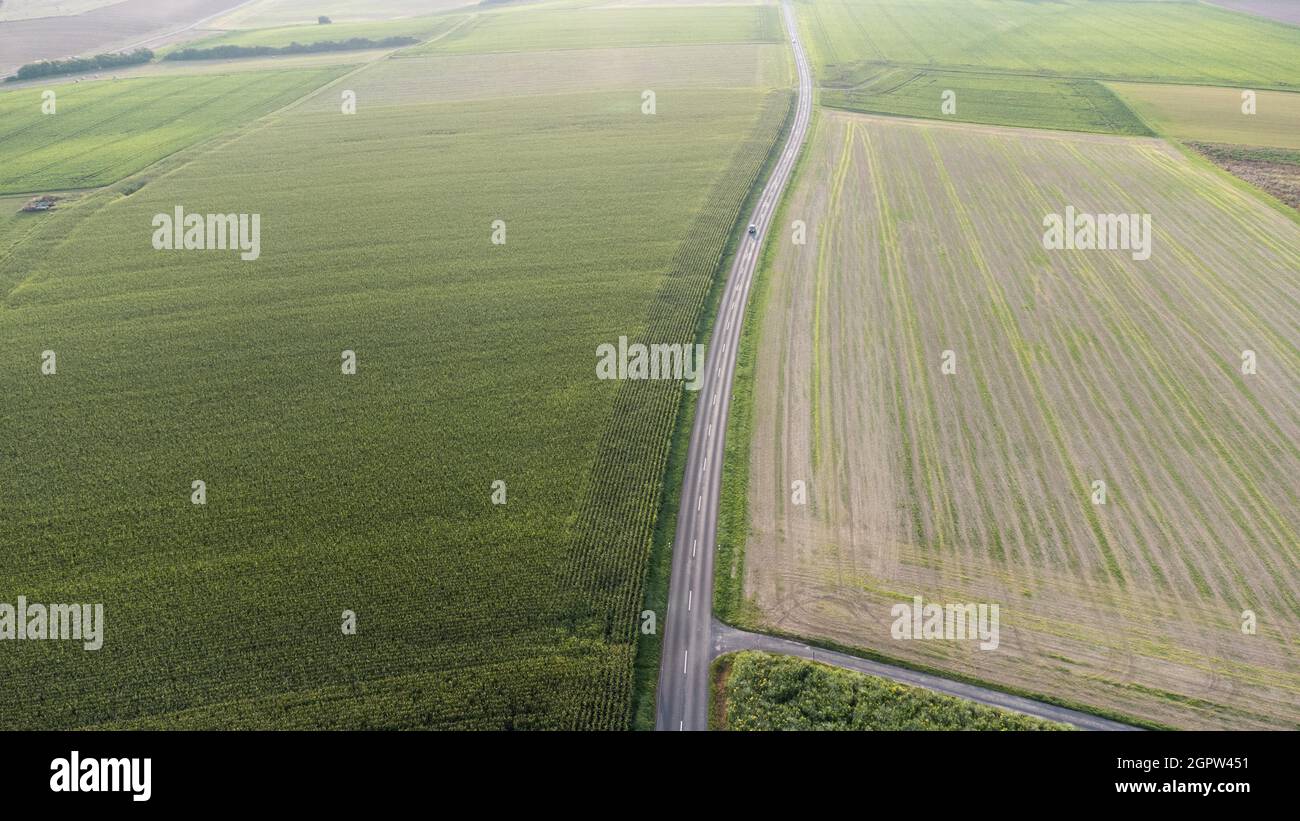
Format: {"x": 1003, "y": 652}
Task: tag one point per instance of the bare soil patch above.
{"x": 1279, "y": 175}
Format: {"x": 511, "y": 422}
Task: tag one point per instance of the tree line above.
{"x": 227, "y": 52}
{"x": 77, "y": 65}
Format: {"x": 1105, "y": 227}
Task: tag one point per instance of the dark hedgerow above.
{"x": 76, "y": 65}
{"x": 233, "y": 52}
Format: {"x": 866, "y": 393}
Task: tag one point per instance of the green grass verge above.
{"x": 729, "y": 602}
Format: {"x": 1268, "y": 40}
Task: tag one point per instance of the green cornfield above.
{"x": 372, "y": 492}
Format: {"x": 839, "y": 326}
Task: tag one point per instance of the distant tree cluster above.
{"x": 76, "y": 65}
{"x": 229, "y": 52}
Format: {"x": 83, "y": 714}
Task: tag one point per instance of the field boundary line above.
{"x": 161, "y": 168}
{"x": 263, "y": 121}
{"x": 181, "y": 158}
{"x": 706, "y": 44}
{"x": 1047, "y": 75}
{"x": 220, "y": 140}
{"x": 1023, "y": 130}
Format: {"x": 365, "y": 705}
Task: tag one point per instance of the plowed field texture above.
{"x": 1069, "y": 368}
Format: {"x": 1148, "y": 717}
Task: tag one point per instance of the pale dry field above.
{"x": 1072, "y": 366}
{"x": 265, "y": 13}
{"x": 1213, "y": 114}
{"x": 444, "y": 78}
{"x": 170, "y": 68}
{"x": 618, "y": 4}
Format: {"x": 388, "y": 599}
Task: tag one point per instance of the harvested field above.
{"x": 1262, "y": 148}
{"x": 434, "y": 78}
{"x": 1072, "y": 367}
{"x": 1213, "y": 114}
{"x": 531, "y": 29}
{"x": 304, "y": 12}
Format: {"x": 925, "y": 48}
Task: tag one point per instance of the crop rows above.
{"x": 368, "y": 492}
{"x": 1072, "y": 368}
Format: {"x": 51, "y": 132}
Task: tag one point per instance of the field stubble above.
{"x": 1071, "y": 367}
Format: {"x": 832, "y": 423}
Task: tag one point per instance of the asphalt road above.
{"x": 683, "y": 694}
{"x": 692, "y": 638}
{"x": 728, "y": 639}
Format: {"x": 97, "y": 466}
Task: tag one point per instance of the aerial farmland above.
{"x": 977, "y": 485}
{"x": 861, "y": 365}
{"x": 941, "y": 403}
{"x": 376, "y": 491}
